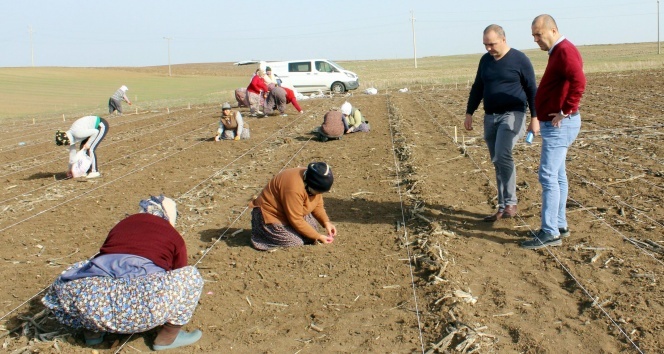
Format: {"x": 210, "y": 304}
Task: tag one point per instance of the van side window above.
{"x": 324, "y": 67}
{"x": 299, "y": 67}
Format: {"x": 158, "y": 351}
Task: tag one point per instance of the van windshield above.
{"x": 339, "y": 67}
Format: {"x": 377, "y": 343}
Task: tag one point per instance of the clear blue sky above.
{"x": 131, "y": 33}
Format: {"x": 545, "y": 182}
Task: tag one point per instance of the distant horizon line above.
{"x": 336, "y": 60}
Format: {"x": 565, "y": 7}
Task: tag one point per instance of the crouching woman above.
{"x": 231, "y": 125}
{"x": 290, "y": 207}
{"x": 138, "y": 281}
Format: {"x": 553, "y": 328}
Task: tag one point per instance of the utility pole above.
{"x": 412, "y": 25}
{"x": 32, "y": 50}
{"x": 169, "y": 54}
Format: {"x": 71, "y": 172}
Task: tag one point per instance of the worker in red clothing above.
{"x": 558, "y": 122}
{"x": 138, "y": 281}
{"x": 256, "y": 92}
{"x": 278, "y": 98}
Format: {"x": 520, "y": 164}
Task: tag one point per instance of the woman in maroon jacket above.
{"x": 139, "y": 280}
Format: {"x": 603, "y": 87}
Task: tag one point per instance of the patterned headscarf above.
{"x": 160, "y": 206}
{"x": 61, "y": 138}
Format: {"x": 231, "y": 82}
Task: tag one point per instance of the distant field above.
{"x": 35, "y": 92}
{"x": 52, "y": 91}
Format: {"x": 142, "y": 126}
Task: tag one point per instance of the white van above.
{"x": 311, "y": 75}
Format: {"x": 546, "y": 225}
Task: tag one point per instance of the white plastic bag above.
{"x": 81, "y": 165}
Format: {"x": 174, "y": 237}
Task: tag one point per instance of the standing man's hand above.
{"x": 468, "y": 123}
{"x": 534, "y": 126}
{"x": 557, "y": 118}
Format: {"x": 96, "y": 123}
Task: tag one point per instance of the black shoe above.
{"x": 541, "y": 239}
{"x": 323, "y": 138}
{"x": 564, "y": 232}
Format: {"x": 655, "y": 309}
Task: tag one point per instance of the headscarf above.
{"x": 160, "y": 206}
{"x": 318, "y": 177}
{"x": 61, "y": 138}
{"x": 346, "y": 108}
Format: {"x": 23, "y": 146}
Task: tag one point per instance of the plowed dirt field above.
{"x": 413, "y": 268}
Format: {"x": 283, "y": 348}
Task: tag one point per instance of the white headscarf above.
{"x": 160, "y": 206}
{"x": 346, "y": 108}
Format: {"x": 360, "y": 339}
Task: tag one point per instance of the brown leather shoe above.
{"x": 494, "y": 217}
{"x": 509, "y": 212}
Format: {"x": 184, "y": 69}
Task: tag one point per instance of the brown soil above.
{"x": 381, "y": 287}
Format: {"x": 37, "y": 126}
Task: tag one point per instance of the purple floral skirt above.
{"x": 126, "y": 305}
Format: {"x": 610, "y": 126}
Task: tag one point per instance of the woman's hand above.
{"x": 331, "y": 229}
{"x": 325, "y": 239}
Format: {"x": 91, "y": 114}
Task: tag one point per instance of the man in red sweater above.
{"x": 558, "y": 122}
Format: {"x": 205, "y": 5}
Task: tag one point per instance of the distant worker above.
{"x": 231, "y": 125}
{"x": 270, "y": 78}
{"x": 241, "y": 97}
{"x": 279, "y": 97}
{"x": 333, "y": 126}
{"x": 115, "y": 102}
{"x": 139, "y": 280}
{"x": 290, "y": 207}
{"x": 256, "y": 93}
{"x": 89, "y": 131}
{"x": 354, "y": 120}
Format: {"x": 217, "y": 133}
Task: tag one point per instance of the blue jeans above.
{"x": 501, "y": 133}
{"x": 552, "y": 174}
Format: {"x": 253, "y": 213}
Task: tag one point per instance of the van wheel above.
{"x": 338, "y": 87}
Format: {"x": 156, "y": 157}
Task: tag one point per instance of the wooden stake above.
{"x": 455, "y": 134}
{"x": 63, "y": 117}
{"x": 33, "y": 121}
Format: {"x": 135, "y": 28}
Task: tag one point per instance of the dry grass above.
{"x": 50, "y": 92}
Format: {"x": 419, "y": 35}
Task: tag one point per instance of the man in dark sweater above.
{"x": 505, "y": 80}
{"x": 557, "y": 102}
